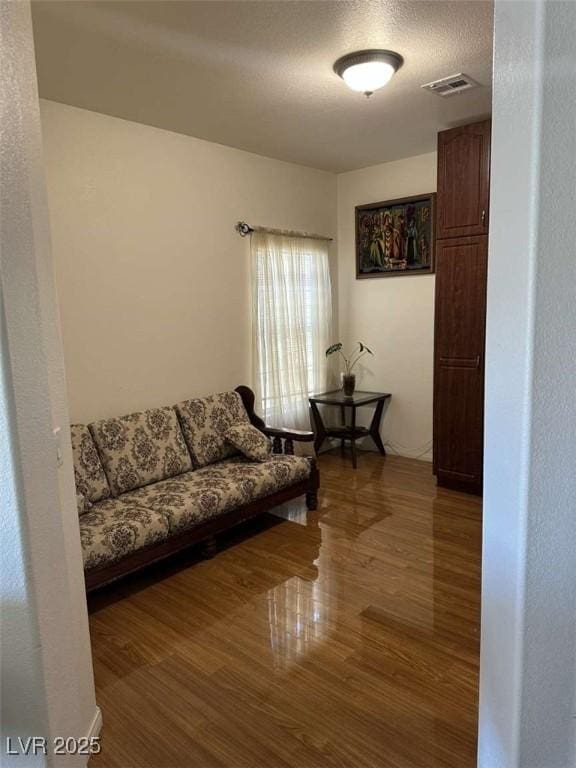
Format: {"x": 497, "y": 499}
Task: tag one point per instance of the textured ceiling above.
{"x": 258, "y": 75}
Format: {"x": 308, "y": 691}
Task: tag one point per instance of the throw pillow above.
{"x": 250, "y": 442}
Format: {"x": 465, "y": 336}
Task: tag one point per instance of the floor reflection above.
{"x": 343, "y": 637}
{"x": 297, "y": 615}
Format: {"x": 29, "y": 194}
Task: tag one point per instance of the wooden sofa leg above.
{"x": 312, "y": 494}
{"x": 312, "y": 500}
{"x": 209, "y": 548}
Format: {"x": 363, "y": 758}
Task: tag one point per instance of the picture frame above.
{"x": 396, "y": 238}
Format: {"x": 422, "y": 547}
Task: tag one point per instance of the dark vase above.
{"x": 348, "y": 383}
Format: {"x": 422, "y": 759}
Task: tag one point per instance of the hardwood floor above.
{"x": 345, "y": 637}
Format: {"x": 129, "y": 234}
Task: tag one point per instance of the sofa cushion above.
{"x": 251, "y": 443}
{"x": 205, "y": 421}
{"x": 141, "y": 448}
{"x": 114, "y": 528}
{"x": 89, "y": 473}
{"x": 198, "y": 496}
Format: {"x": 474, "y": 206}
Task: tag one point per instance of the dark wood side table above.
{"x": 351, "y": 431}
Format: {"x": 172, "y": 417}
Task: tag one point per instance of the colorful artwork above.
{"x": 395, "y": 237}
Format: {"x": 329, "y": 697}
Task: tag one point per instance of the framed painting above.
{"x": 395, "y": 237}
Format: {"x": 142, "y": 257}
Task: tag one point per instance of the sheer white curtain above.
{"x": 292, "y": 321}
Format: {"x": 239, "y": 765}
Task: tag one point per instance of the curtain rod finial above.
{"x": 243, "y": 229}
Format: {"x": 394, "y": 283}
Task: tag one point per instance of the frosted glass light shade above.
{"x": 367, "y": 71}
{"x": 368, "y": 77}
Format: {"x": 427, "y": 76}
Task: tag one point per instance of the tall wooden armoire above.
{"x": 460, "y": 314}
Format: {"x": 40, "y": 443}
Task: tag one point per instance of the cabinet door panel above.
{"x": 463, "y": 180}
{"x": 459, "y": 361}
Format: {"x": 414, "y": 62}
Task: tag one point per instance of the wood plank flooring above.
{"x": 343, "y": 638}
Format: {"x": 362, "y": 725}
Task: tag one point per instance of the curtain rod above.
{"x": 244, "y": 229}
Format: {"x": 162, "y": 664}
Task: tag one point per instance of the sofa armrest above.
{"x": 299, "y": 435}
{"x": 282, "y": 439}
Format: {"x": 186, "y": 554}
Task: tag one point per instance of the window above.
{"x": 292, "y": 317}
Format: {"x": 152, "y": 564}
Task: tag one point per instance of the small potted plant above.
{"x": 349, "y": 378}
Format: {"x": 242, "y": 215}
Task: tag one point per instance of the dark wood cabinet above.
{"x": 463, "y": 181}
{"x": 460, "y": 306}
{"x": 459, "y": 361}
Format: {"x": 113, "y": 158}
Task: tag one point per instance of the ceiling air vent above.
{"x": 450, "y": 85}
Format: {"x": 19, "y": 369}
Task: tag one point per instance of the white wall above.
{"x": 152, "y": 278}
{"x": 47, "y": 682}
{"x": 528, "y": 658}
{"x": 395, "y": 315}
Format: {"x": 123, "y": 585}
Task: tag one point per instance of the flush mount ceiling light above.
{"x": 366, "y": 71}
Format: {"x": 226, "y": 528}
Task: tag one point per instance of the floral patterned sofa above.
{"x": 152, "y": 483}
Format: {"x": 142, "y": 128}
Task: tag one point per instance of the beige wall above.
{"x": 394, "y": 316}
{"x": 153, "y": 281}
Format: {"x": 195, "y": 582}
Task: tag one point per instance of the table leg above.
{"x": 343, "y": 423}
{"x": 353, "y": 439}
{"x": 318, "y": 426}
{"x": 375, "y": 427}
{"x": 353, "y": 448}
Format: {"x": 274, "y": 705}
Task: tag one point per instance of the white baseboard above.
{"x": 93, "y": 732}
{"x": 96, "y": 724}
{"x": 366, "y": 447}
